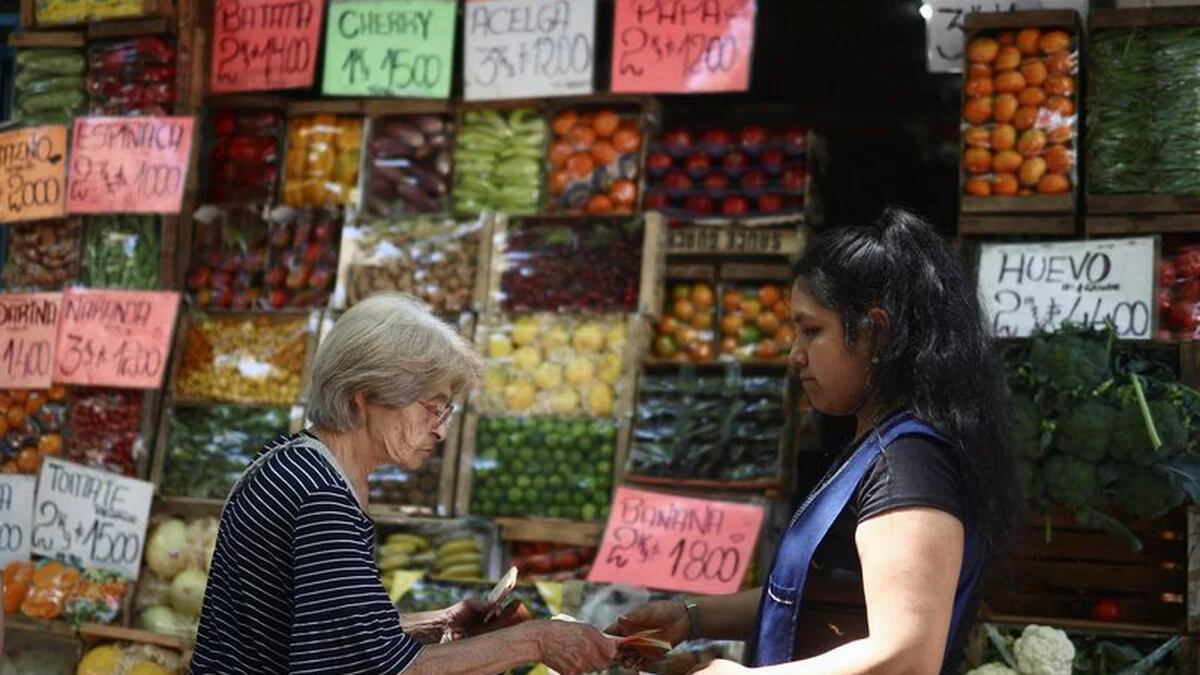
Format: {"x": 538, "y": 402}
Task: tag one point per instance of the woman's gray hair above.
{"x": 395, "y": 351}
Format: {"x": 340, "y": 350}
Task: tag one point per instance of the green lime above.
{"x": 524, "y": 482}
{"x": 588, "y": 512}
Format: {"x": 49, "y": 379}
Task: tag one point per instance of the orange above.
{"x": 979, "y": 70}
{"x": 977, "y": 160}
{"x": 1005, "y": 185}
{"x": 1053, "y": 184}
{"x": 15, "y": 416}
{"x": 782, "y": 310}
{"x": 731, "y": 324}
{"x": 978, "y": 110}
{"x": 1060, "y": 134}
{"x": 1060, "y": 85}
{"x": 58, "y": 393}
{"x": 604, "y": 153}
{"x": 19, "y": 395}
{"x": 982, "y": 50}
{"x": 1034, "y": 72}
{"x": 769, "y": 295}
{"x": 1027, "y": 41}
{"x": 623, "y": 192}
{"x": 559, "y": 152}
{"x": 50, "y": 444}
{"x": 767, "y": 350}
{"x": 1032, "y": 143}
{"x": 1004, "y": 137}
{"x": 729, "y": 345}
{"x": 731, "y": 300}
{"x": 1007, "y": 58}
{"x": 1060, "y": 64}
{"x": 751, "y": 308}
{"x": 29, "y": 461}
{"x": 1009, "y": 82}
{"x": 559, "y": 180}
{"x": 684, "y": 310}
{"x": 581, "y": 136}
{"x": 785, "y": 336}
{"x": 978, "y": 86}
{"x": 977, "y": 137}
{"x": 668, "y": 325}
{"x": 768, "y": 322}
{"x": 702, "y": 296}
{"x": 580, "y": 165}
{"x": 1058, "y": 160}
{"x": 599, "y": 204}
{"x": 627, "y": 140}
{"x": 606, "y": 123}
{"x": 1031, "y": 96}
{"x": 47, "y": 575}
{"x": 564, "y": 121}
{"x": 978, "y": 187}
{"x": 3, "y": 424}
{"x": 1006, "y": 38}
{"x": 1008, "y": 161}
{"x": 1025, "y": 118}
{"x": 1061, "y": 105}
{"x": 1054, "y": 42}
{"x": 1032, "y": 171}
{"x": 702, "y": 321}
{"x": 1005, "y": 107}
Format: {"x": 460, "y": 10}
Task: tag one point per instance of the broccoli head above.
{"x": 1144, "y": 492}
{"x": 1031, "y": 482}
{"x": 1170, "y": 426}
{"x": 1131, "y": 437}
{"x": 1026, "y": 428}
{"x": 1085, "y": 432}
{"x": 1069, "y": 361}
{"x": 1070, "y": 482}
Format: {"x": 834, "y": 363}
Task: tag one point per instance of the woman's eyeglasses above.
{"x": 439, "y": 416}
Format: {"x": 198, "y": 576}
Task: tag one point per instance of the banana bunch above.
{"x": 455, "y": 556}
{"x": 459, "y": 557}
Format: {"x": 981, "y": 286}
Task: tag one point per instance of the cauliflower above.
{"x": 1042, "y": 650}
{"x": 993, "y": 669}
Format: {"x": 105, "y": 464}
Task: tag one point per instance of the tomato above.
{"x": 627, "y": 140}
{"x": 1183, "y": 316}
{"x": 1166, "y": 274}
{"x": 1187, "y": 263}
{"x": 1106, "y": 610}
{"x": 1190, "y": 290}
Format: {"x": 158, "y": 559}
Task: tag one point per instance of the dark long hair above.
{"x": 937, "y": 359}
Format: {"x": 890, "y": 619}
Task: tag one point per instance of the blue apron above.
{"x": 775, "y": 638}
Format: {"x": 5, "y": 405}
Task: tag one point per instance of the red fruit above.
{"x": 276, "y": 277}
{"x": 753, "y": 180}
{"x": 698, "y": 164}
{"x": 1164, "y": 301}
{"x": 224, "y": 123}
{"x": 716, "y": 182}
{"x": 772, "y": 160}
{"x": 1189, "y": 290}
{"x": 659, "y": 161}
{"x": 753, "y": 137}
{"x": 735, "y": 162}
{"x": 225, "y": 298}
{"x": 678, "y": 139}
{"x": 699, "y": 204}
{"x": 794, "y": 179}
{"x": 323, "y": 232}
{"x": 312, "y": 254}
{"x": 278, "y": 298}
{"x": 655, "y": 200}
{"x": 678, "y": 181}
{"x": 1166, "y": 274}
{"x": 734, "y": 206}
{"x": 1106, "y": 610}
{"x": 1184, "y": 315}
{"x": 199, "y": 278}
{"x": 1187, "y": 263}
{"x": 296, "y": 278}
{"x": 796, "y": 140}
{"x": 320, "y": 278}
{"x": 717, "y": 138}
{"x": 770, "y": 203}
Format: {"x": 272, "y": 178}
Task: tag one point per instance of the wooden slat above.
{"x": 1141, "y": 223}
{"x": 48, "y": 39}
{"x": 327, "y": 107}
{"x": 1116, "y": 629}
{"x": 1030, "y": 204}
{"x": 650, "y": 287}
{"x": 756, "y": 272}
{"x": 698, "y": 484}
{"x": 1099, "y": 577}
{"x": 1049, "y": 607}
{"x": 1142, "y": 203}
{"x": 94, "y": 632}
{"x": 121, "y": 28}
{"x": 733, "y": 241}
{"x": 1144, "y": 17}
{"x": 1033, "y": 18}
{"x": 1098, "y": 546}
{"x": 551, "y": 530}
{"x": 976, "y": 225}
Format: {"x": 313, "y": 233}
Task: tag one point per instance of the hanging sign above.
{"x": 261, "y": 45}
{"x": 16, "y": 517}
{"x": 33, "y": 170}
{"x": 674, "y": 543}
{"x": 129, "y": 164}
{"x": 28, "y": 329}
{"x": 90, "y": 518}
{"x": 945, "y": 25}
{"x": 115, "y": 338}
{"x": 401, "y": 48}
{"x": 682, "y": 46}
{"x": 1032, "y": 287}
{"x": 528, "y": 48}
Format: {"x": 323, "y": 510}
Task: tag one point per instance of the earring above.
{"x": 874, "y": 360}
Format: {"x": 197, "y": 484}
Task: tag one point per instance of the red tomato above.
{"x": 1166, "y": 274}
{"x": 1190, "y": 290}
{"x": 1187, "y": 264}
{"x": 1106, "y": 610}
{"x": 1183, "y": 316}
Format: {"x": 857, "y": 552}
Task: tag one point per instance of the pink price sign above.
{"x": 675, "y": 543}
{"x": 28, "y": 326}
{"x": 115, "y": 338}
{"x": 261, "y": 45}
{"x": 682, "y": 46}
{"x": 129, "y": 164}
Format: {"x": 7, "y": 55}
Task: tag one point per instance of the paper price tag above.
{"x": 28, "y": 329}
{"x": 115, "y": 338}
{"x": 129, "y": 164}
{"x": 16, "y": 517}
{"x": 261, "y": 45}
{"x": 33, "y": 169}
{"x": 390, "y": 48}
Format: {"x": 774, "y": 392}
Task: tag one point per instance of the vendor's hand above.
{"x": 723, "y": 667}
{"x": 570, "y": 648}
{"x": 465, "y": 619}
{"x": 668, "y": 617}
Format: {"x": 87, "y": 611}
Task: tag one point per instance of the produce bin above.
{"x": 498, "y": 159}
{"x": 242, "y": 152}
{"x": 409, "y": 164}
{"x": 131, "y": 76}
{"x": 43, "y": 255}
{"x": 461, "y": 549}
{"x": 48, "y": 77}
{"x": 35, "y": 427}
{"x": 122, "y": 252}
{"x": 142, "y": 651}
{"x": 176, "y": 560}
{"x": 228, "y": 259}
{"x": 322, "y": 162}
{"x": 51, "y": 13}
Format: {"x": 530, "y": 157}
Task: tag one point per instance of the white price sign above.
{"x": 16, "y": 517}
{"x": 528, "y": 48}
{"x": 1031, "y": 287}
{"x": 91, "y": 518}
{"x": 944, "y": 30}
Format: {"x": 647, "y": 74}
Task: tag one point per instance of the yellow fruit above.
{"x": 564, "y": 401}
{"x": 580, "y": 371}
{"x": 554, "y": 338}
{"x": 600, "y": 400}
{"x": 99, "y": 661}
{"x": 588, "y": 338}
{"x": 615, "y": 340}
{"x": 499, "y": 346}
{"x": 527, "y": 358}
{"x": 518, "y": 396}
{"x": 495, "y": 380}
{"x": 548, "y": 376}
{"x": 147, "y": 668}
{"x": 610, "y": 372}
{"x": 525, "y": 332}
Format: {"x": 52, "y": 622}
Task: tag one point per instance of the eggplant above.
{"x": 404, "y": 132}
{"x": 431, "y": 124}
{"x": 416, "y": 198}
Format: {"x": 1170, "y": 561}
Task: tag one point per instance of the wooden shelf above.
{"x": 764, "y": 485}
{"x": 49, "y": 39}
{"x": 1081, "y": 626}
{"x": 1040, "y": 18}
{"x": 666, "y": 365}
{"x": 95, "y": 632}
{"x": 555, "y": 530}
{"x": 54, "y": 629}
{"x": 1144, "y": 17}
{"x": 1018, "y": 206}
{"x": 1148, "y": 223}
{"x": 1012, "y": 224}
{"x": 188, "y": 506}
{"x": 103, "y": 30}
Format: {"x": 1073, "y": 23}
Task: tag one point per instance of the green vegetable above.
{"x": 497, "y": 162}
{"x": 54, "y": 100}
{"x": 1026, "y": 428}
{"x": 1086, "y": 430}
{"x": 53, "y": 61}
{"x": 122, "y": 252}
{"x": 208, "y": 448}
{"x": 1144, "y": 492}
{"x": 1031, "y": 483}
{"x": 1070, "y": 482}
{"x": 1070, "y": 361}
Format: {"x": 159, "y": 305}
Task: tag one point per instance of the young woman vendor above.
{"x": 879, "y": 571}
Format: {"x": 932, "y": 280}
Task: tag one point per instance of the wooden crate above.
{"x": 150, "y": 8}
{"x": 1142, "y": 638}
{"x": 94, "y": 634}
{"x": 1032, "y": 214}
{"x": 1063, "y": 576}
{"x": 1121, "y": 214}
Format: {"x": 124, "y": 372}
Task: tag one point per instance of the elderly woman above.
{"x": 293, "y": 586}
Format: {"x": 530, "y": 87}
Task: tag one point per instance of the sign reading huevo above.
{"x": 129, "y": 164}
{"x": 675, "y": 543}
{"x": 261, "y": 45}
{"x": 33, "y": 170}
{"x": 682, "y": 46}
{"x": 28, "y": 329}
{"x": 115, "y": 338}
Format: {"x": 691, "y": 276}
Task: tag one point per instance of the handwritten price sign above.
{"x": 129, "y": 164}
{"x": 115, "y": 338}
{"x": 677, "y": 543}
{"x": 28, "y": 327}
{"x": 682, "y": 46}
{"x": 260, "y": 45}
{"x": 90, "y": 518}
{"x": 390, "y": 48}
{"x": 33, "y": 171}
{"x": 528, "y": 48}
{"x": 16, "y": 517}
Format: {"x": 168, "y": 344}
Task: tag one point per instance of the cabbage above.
{"x": 166, "y": 551}
{"x": 187, "y": 592}
{"x": 202, "y": 536}
{"x": 162, "y": 620}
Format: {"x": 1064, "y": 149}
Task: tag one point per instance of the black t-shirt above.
{"x": 912, "y": 471}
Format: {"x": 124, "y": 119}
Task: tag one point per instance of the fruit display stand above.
{"x": 125, "y": 10}
{"x": 1130, "y": 213}
{"x": 1099, "y": 647}
{"x": 104, "y": 647}
{"x": 1033, "y": 129}
{"x": 450, "y": 549}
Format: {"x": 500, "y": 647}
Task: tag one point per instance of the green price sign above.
{"x": 390, "y": 48}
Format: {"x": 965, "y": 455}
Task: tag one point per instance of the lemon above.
{"x": 564, "y": 401}
{"x": 499, "y": 346}
{"x": 494, "y": 380}
{"x": 600, "y": 400}
{"x": 588, "y": 338}
{"x": 610, "y": 372}
{"x": 548, "y": 376}
{"x": 525, "y": 331}
{"x": 615, "y": 340}
{"x": 100, "y": 661}
{"x": 556, "y": 337}
{"x": 580, "y": 371}
{"x": 518, "y": 396}
{"x": 148, "y": 668}
{"x": 527, "y": 358}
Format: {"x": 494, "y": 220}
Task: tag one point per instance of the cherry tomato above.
{"x": 1106, "y": 610}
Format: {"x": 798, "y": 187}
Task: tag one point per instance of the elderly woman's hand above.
{"x": 571, "y": 648}
{"x": 466, "y": 618}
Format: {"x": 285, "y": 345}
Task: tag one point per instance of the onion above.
{"x": 187, "y": 592}
{"x": 167, "y": 548}
{"x": 162, "y": 620}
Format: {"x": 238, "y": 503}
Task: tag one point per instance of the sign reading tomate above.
{"x": 682, "y": 46}
{"x": 28, "y": 327}
{"x": 114, "y": 338}
{"x": 129, "y": 164}
{"x": 259, "y": 45}
{"x": 33, "y": 170}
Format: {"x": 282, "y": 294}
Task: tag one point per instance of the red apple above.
{"x": 655, "y": 200}
{"x": 717, "y": 141}
{"x": 1166, "y": 274}
{"x": 1184, "y": 316}
{"x": 658, "y": 163}
{"x": 716, "y": 183}
{"x": 794, "y": 179}
{"x": 1164, "y": 301}
{"x": 225, "y": 298}
{"x": 772, "y": 161}
{"x": 795, "y": 140}
{"x": 770, "y": 203}
{"x": 677, "y": 181}
{"x": 278, "y": 298}
{"x": 735, "y": 162}
{"x": 312, "y": 254}
{"x": 699, "y": 204}
{"x": 753, "y": 180}
{"x": 753, "y": 138}
{"x": 320, "y": 278}
{"x": 678, "y": 141}
{"x": 1190, "y": 290}
{"x": 735, "y": 206}
{"x": 698, "y": 164}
